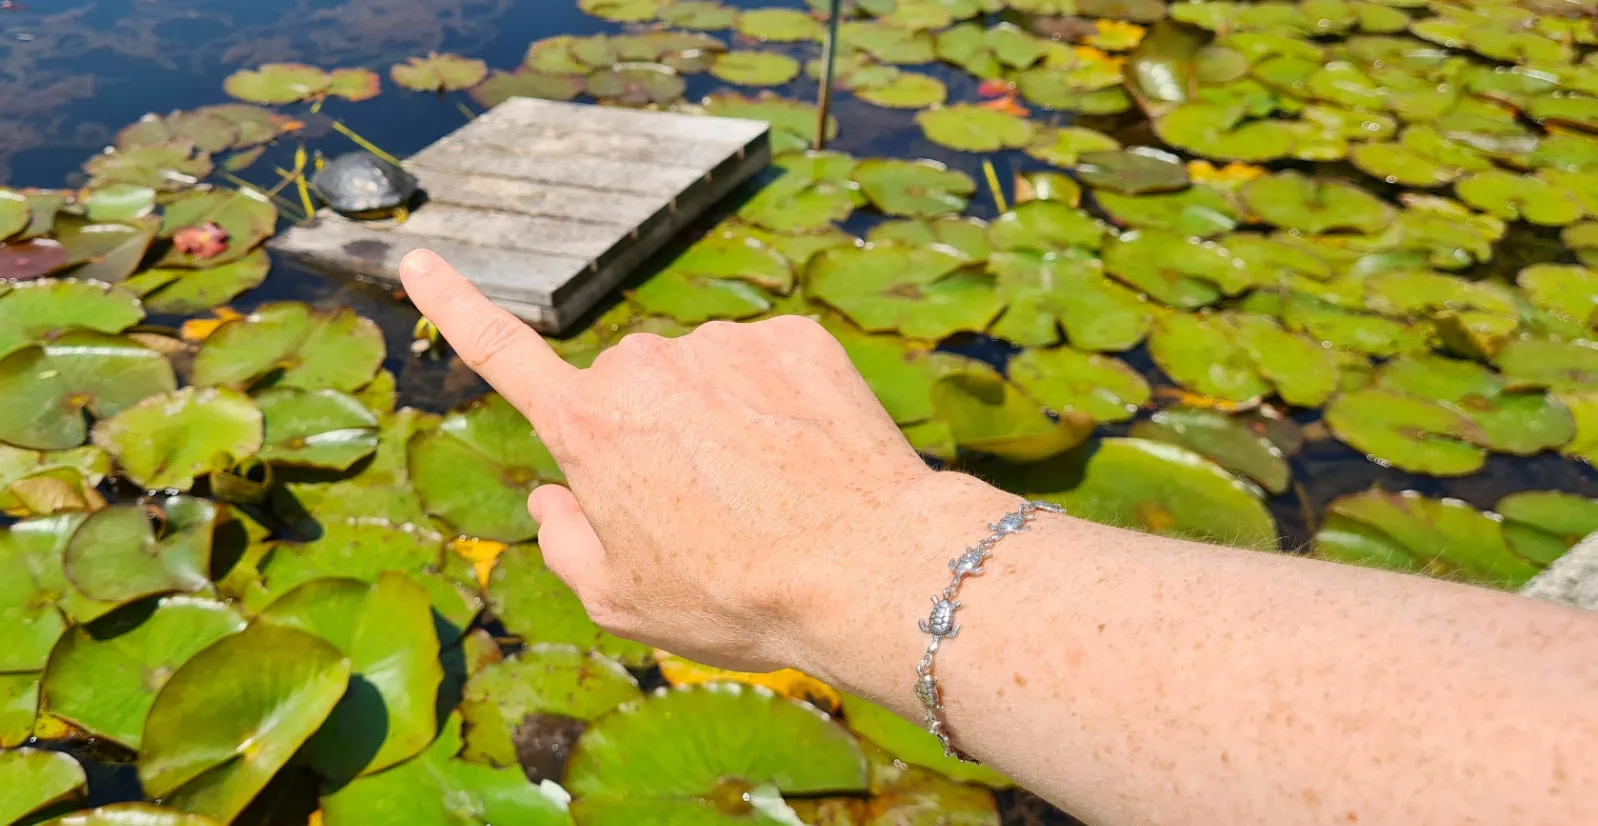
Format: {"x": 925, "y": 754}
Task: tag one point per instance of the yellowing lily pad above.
{"x": 778, "y": 25}
{"x": 277, "y": 83}
{"x": 1204, "y": 354}
{"x": 502, "y": 86}
{"x": 1570, "y": 292}
{"x": 637, "y": 84}
{"x": 439, "y": 73}
{"x": 755, "y": 68}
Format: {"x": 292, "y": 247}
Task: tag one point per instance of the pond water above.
{"x": 74, "y": 73}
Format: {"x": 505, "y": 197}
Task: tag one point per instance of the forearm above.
{"x": 1133, "y": 679}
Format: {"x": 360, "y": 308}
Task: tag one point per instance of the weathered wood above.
{"x": 547, "y": 206}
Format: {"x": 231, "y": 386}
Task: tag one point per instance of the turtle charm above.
{"x": 1010, "y": 523}
{"x": 941, "y": 623}
{"x": 968, "y": 563}
{"x": 361, "y": 185}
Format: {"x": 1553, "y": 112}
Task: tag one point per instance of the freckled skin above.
{"x": 739, "y": 497}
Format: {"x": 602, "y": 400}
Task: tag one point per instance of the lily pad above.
{"x": 1197, "y": 211}
{"x": 105, "y": 680}
{"x": 888, "y": 43}
{"x": 793, "y": 124}
{"x": 1044, "y": 226}
{"x": 1562, "y": 519}
{"x": 1292, "y": 201}
{"x": 912, "y": 744}
{"x": 15, "y": 213}
{"x": 1041, "y": 289}
{"x": 132, "y": 814}
{"x": 1538, "y": 362}
{"x": 48, "y": 386}
{"x": 117, "y": 555}
{"x": 778, "y": 25}
{"x": 113, "y": 202}
{"x": 899, "y": 371}
{"x": 907, "y": 90}
{"x": 967, "y": 236}
{"x": 1178, "y": 271}
{"x": 1219, "y": 131}
{"x": 814, "y": 191}
{"x": 1165, "y": 489}
{"x": 167, "y": 440}
{"x": 167, "y": 167}
{"x": 755, "y": 68}
{"x": 22, "y": 260}
{"x": 177, "y": 291}
{"x": 1239, "y": 446}
{"x": 1070, "y": 380}
{"x": 637, "y": 84}
{"x": 290, "y": 345}
{"x": 106, "y": 252}
{"x": 354, "y": 84}
{"x": 41, "y": 310}
{"x": 800, "y": 751}
{"x": 234, "y": 714}
{"x": 544, "y": 679}
{"x": 315, "y": 428}
{"x": 915, "y": 189}
{"x": 32, "y": 779}
{"x": 1570, "y": 292}
{"x": 692, "y": 299}
{"x": 439, "y": 73}
{"x": 1513, "y": 197}
{"x": 699, "y": 14}
{"x": 245, "y": 215}
{"x": 277, "y": 83}
{"x": 921, "y": 292}
{"x": 622, "y": 11}
{"x": 386, "y": 632}
{"x": 438, "y": 789}
{"x": 502, "y": 86}
{"x": 1407, "y": 531}
{"x": 1203, "y": 353}
{"x": 1134, "y": 171}
{"x": 19, "y": 707}
{"x": 987, "y": 414}
{"x": 476, "y": 471}
{"x": 535, "y": 605}
{"x": 972, "y": 128}
{"x": 1063, "y": 146}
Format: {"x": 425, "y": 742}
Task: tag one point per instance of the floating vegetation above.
{"x": 1353, "y": 229}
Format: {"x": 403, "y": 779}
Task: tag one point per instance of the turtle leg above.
{"x": 401, "y": 213}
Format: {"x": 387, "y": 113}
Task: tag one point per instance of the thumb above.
{"x": 570, "y": 547}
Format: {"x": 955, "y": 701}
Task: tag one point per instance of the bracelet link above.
{"x": 940, "y": 624}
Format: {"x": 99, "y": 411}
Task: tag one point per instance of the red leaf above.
{"x": 204, "y": 241}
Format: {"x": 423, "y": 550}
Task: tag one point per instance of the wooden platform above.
{"x": 547, "y": 206}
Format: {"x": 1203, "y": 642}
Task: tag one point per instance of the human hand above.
{"x": 726, "y": 487}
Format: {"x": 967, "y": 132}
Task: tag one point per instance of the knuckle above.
{"x": 494, "y": 337}
{"x": 641, "y": 346}
{"x": 716, "y": 328}
{"x": 795, "y": 326}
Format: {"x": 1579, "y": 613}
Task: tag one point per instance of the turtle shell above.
{"x": 362, "y": 182}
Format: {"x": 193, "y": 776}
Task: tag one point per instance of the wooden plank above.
{"x": 547, "y": 206}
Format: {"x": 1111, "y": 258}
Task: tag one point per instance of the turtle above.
{"x": 362, "y": 186}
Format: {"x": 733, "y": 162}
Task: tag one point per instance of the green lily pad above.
{"x": 1538, "y": 362}
{"x": 1198, "y": 211}
{"x": 693, "y": 299}
{"x": 1232, "y": 442}
{"x": 637, "y": 84}
{"x": 438, "y": 789}
{"x": 1162, "y": 72}
{"x": 914, "y": 745}
{"x": 247, "y": 216}
{"x": 1178, "y": 271}
{"x": 888, "y": 43}
{"x": 113, "y": 202}
{"x": 1063, "y": 146}
{"x": 48, "y": 386}
{"x": 167, "y": 167}
{"x": 502, "y": 86}
{"x": 117, "y": 555}
{"x": 1169, "y": 490}
{"x": 899, "y": 371}
{"x": 1565, "y": 517}
{"x": 315, "y": 428}
{"x": 256, "y": 124}
{"x": 167, "y": 440}
{"x": 1045, "y": 226}
{"x": 277, "y": 83}
{"x": 234, "y": 714}
{"x": 36, "y": 483}
{"x": 779, "y": 26}
{"x": 622, "y": 11}
{"x": 966, "y": 45}
{"x": 974, "y": 128}
{"x": 1575, "y": 110}
{"x": 439, "y": 73}
{"x": 19, "y": 707}
{"x": 705, "y": 15}
{"x": 1204, "y": 354}
{"x": 1292, "y": 201}
{"x": 793, "y": 124}
{"x": 1070, "y": 380}
{"x": 1041, "y": 289}
{"x": 36, "y": 600}
{"x": 1219, "y": 131}
{"x": 1567, "y": 291}
{"x": 106, "y": 252}
{"x": 1514, "y": 197}
{"x": 987, "y": 414}
{"x": 732, "y": 253}
{"x": 386, "y": 632}
{"x": 476, "y": 471}
{"x": 755, "y": 68}
{"x": 131, "y": 814}
{"x": 1134, "y": 171}
{"x": 800, "y": 751}
{"x": 915, "y": 189}
{"x": 41, "y": 310}
{"x": 185, "y": 291}
{"x": 544, "y": 679}
{"x": 535, "y": 605}
{"x": 33, "y": 779}
{"x": 922, "y": 292}
{"x": 967, "y": 236}
{"x": 43, "y": 206}
{"x": 1409, "y": 433}
{"x": 907, "y": 90}
{"x": 15, "y": 213}
{"x": 1408, "y": 532}
{"x": 354, "y": 84}
{"x": 207, "y": 129}
{"x": 814, "y": 191}
{"x": 1067, "y": 85}
{"x": 290, "y": 345}
{"x": 105, "y": 680}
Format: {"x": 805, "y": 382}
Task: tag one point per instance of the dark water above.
{"x": 73, "y": 72}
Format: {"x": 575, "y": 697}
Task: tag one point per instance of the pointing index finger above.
{"x": 506, "y": 352}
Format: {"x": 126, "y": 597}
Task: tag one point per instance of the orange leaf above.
{"x": 787, "y": 682}
{"x": 1006, "y": 105}
{"x": 481, "y": 553}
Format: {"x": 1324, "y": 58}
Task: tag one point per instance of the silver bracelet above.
{"x": 941, "y": 626}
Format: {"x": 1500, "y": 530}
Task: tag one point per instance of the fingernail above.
{"x": 418, "y": 262}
